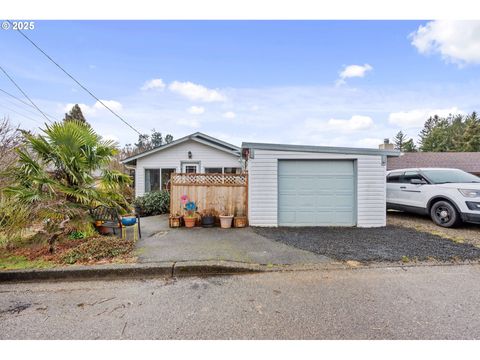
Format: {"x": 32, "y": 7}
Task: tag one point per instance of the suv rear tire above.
{"x": 444, "y": 214}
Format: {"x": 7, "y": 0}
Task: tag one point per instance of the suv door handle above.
{"x": 403, "y": 187}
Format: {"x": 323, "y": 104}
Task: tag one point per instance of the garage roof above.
{"x": 319, "y": 149}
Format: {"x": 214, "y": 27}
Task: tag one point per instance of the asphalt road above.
{"x": 435, "y": 302}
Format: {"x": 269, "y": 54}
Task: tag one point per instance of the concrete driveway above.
{"x": 161, "y": 243}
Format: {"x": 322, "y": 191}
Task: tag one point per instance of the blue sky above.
{"x": 341, "y": 83}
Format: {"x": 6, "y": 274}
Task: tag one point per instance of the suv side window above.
{"x": 394, "y": 177}
{"x": 409, "y": 175}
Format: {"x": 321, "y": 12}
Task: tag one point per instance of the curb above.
{"x": 132, "y": 271}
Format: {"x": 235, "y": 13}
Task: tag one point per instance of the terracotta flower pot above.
{"x": 226, "y": 221}
{"x": 240, "y": 221}
{"x": 189, "y": 221}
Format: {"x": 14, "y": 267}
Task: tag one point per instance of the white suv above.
{"x": 449, "y": 196}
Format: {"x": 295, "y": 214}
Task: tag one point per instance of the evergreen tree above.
{"x": 156, "y": 138}
{"x": 75, "y": 113}
{"x": 409, "y": 146}
{"x": 471, "y": 138}
{"x": 399, "y": 140}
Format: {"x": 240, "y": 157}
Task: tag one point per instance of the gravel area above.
{"x": 467, "y": 233}
{"x": 391, "y": 243}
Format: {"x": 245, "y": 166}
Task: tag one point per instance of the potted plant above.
{"x": 208, "y": 218}
{"x": 225, "y": 219}
{"x": 175, "y": 220}
{"x": 240, "y": 220}
{"x": 190, "y": 216}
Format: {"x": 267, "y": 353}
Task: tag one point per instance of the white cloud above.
{"x": 196, "y": 110}
{"x": 191, "y": 123}
{"x": 229, "y": 115}
{"x": 456, "y": 41}
{"x": 416, "y": 118}
{"x": 351, "y": 71}
{"x": 88, "y": 110}
{"x": 153, "y": 84}
{"x": 355, "y": 123}
{"x": 196, "y": 92}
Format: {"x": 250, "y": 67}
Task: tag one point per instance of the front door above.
{"x": 190, "y": 168}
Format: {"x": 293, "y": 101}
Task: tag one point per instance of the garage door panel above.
{"x": 316, "y": 193}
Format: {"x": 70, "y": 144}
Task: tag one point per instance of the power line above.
{"x": 22, "y": 115}
{"x": 78, "y": 83}
{"x": 25, "y": 103}
{"x": 23, "y": 92}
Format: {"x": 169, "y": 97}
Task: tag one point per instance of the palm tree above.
{"x": 55, "y": 172}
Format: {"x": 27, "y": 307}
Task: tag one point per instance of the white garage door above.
{"x": 316, "y": 193}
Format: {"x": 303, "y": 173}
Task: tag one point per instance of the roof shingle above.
{"x": 466, "y": 161}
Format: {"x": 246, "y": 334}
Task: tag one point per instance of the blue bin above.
{"x": 129, "y": 221}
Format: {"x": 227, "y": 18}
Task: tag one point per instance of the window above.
{"x": 213, "y": 170}
{"x": 410, "y": 175}
{"x": 189, "y": 169}
{"x": 437, "y": 176}
{"x": 394, "y": 177}
{"x": 232, "y": 170}
{"x": 152, "y": 180}
{"x": 166, "y": 178}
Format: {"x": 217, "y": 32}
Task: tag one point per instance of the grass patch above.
{"x": 19, "y": 262}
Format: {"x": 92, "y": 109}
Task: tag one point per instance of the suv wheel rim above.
{"x": 443, "y": 214}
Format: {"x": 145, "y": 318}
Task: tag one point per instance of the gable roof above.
{"x": 466, "y": 161}
{"x": 198, "y": 137}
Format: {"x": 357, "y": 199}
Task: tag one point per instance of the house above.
{"x": 466, "y": 161}
{"x": 297, "y": 185}
{"x": 195, "y": 153}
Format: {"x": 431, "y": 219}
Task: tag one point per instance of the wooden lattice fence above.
{"x": 224, "y": 193}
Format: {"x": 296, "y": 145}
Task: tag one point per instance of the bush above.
{"x": 153, "y": 203}
{"x": 98, "y": 248}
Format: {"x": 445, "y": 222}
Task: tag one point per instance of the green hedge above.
{"x": 153, "y": 203}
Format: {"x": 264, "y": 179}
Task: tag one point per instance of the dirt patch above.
{"x": 390, "y": 243}
{"x": 467, "y": 233}
{"x": 92, "y": 251}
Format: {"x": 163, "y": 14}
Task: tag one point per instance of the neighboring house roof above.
{"x": 319, "y": 149}
{"x": 466, "y": 161}
{"x": 198, "y": 137}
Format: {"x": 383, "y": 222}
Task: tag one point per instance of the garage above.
{"x": 298, "y": 185}
{"x": 316, "y": 193}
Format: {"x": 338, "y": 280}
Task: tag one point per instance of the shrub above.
{"x": 153, "y": 203}
{"x": 98, "y": 248}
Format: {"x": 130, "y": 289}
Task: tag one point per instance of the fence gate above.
{"x": 225, "y": 193}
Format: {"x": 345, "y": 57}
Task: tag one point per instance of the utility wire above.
{"x": 23, "y": 92}
{"x": 78, "y": 83}
{"x": 22, "y": 115}
{"x": 24, "y": 102}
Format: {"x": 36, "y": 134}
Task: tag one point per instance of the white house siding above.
{"x": 263, "y": 186}
{"x": 173, "y": 157}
